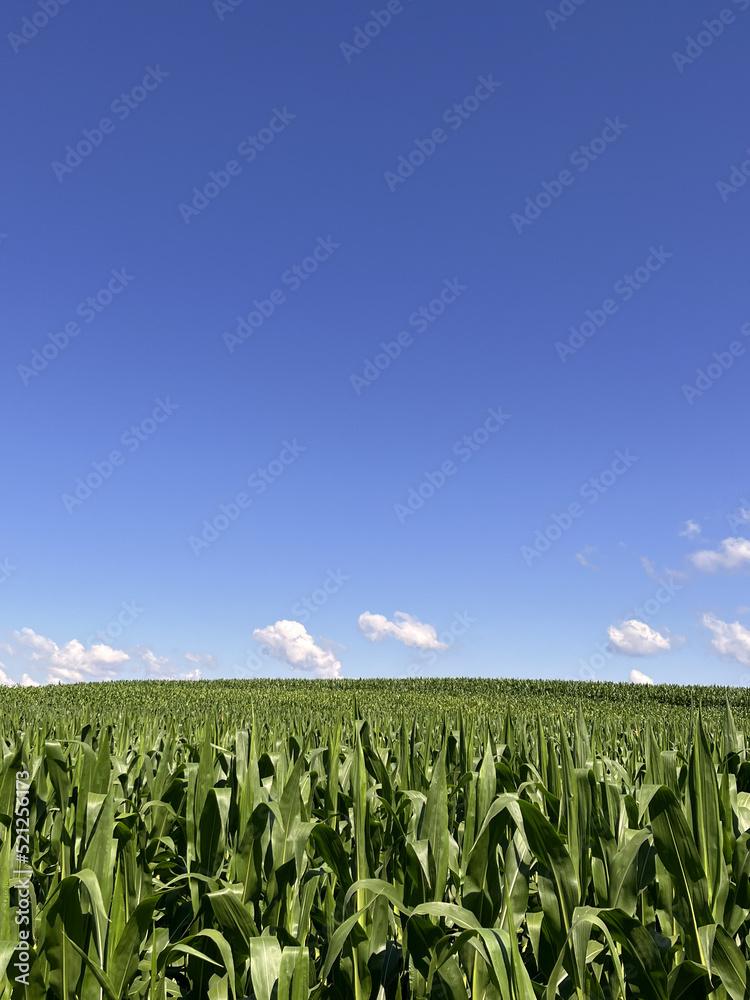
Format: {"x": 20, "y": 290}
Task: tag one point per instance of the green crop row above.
{"x": 317, "y": 703}
{"x": 373, "y": 842}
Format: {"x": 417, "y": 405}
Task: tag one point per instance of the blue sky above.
{"x": 214, "y": 217}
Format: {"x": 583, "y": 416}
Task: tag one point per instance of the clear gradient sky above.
{"x": 215, "y": 215}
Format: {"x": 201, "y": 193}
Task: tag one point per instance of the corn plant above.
{"x": 347, "y": 846}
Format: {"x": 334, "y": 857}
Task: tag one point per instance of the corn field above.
{"x": 374, "y": 841}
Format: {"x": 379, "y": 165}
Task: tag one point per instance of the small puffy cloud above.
{"x": 581, "y": 557}
{"x": 289, "y": 642}
{"x": 405, "y": 628}
{"x": 636, "y": 677}
{"x": 729, "y": 638}
{"x": 691, "y": 529}
{"x": 70, "y": 663}
{"x": 6, "y": 681}
{"x": 634, "y": 638}
{"x": 733, "y": 553}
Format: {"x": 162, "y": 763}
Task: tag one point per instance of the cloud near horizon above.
{"x": 290, "y": 643}
{"x": 729, "y": 639}
{"x": 634, "y": 638}
{"x": 404, "y": 628}
{"x": 163, "y": 668}
{"x": 636, "y": 677}
{"x": 73, "y": 663}
{"x": 70, "y": 663}
{"x": 202, "y": 660}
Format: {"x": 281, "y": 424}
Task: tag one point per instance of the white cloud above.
{"x": 634, "y": 638}
{"x": 691, "y": 529}
{"x": 203, "y": 660}
{"x": 163, "y": 668}
{"x": 733, "y": 553}
{"x": 581, "y": 557}
{"x": 71, "y": 663}
{"x": 157, "y": 666}
{"x": 729, "y": 639}
{"x": 6, "y": 681}
{"x": 636, "y": 677}
{"x": 289, "y": 642}
{"x": 405, "y": 628}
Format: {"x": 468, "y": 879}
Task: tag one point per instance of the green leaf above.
{"x": 294, "y": 974}
{"x": 265, "y": 964}
{"x": 678, "y": 853}
{"x": 434, "y": 827}
{"x": 546, "y": 845}
{"x": 730, "y": 965}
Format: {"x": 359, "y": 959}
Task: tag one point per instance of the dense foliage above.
{"x": 460, "y": 839}
{"x": 318, "y": 703}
